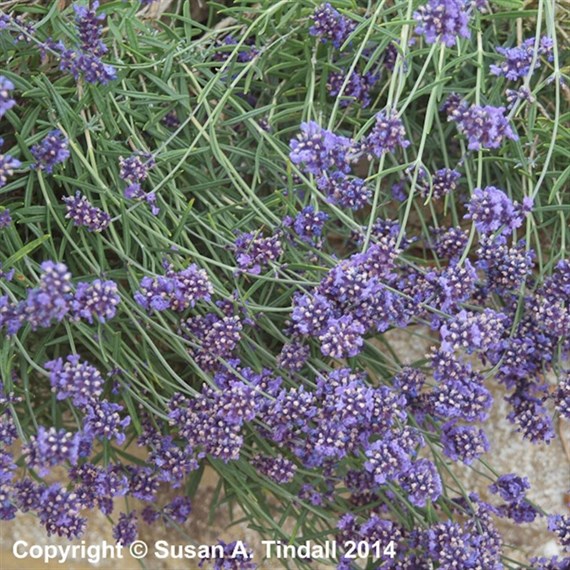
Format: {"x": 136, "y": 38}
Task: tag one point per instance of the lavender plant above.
{"x": 210, "y": 231}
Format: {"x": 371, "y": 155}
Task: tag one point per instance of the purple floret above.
{"x": 74, "y": 379}
{"x": 308, "y": 224}
{"x": 445, "y": 20}
{"x": 422, "y": 482}
{"x": 51, "y": 447}
{"x": 346, "y": 191}
{"x": 357, "y": 88}
{"x": 5, "y": 219}
{"x": 253, "y": 251}
{"x": 6, "y": 101}
{"x": 278, "y": 468}
{"x": 517, "y": 60}
{"x": 103, "y": 420}
{"x": 90, "y": 28}
{"x": 443, "y": 182}
{"x": 484, "y": 127}
{"x": 387, "y": 135}
{"x": 175, "y": 290}
{"x": 52, "y": 150}
{"x": 96, "y": 300}
{"x": 7, "y": 166}
{"x": 83, "y": 213}
{"x": 330, "y": 25}
{"x": 125, "y": 531}
{"x": 463, "y": 443}
{"x": 491, "y": 209}
{"x": 342, "y": 337}
{"x": 318, "y": 150}
{"x": 510, "y": 487}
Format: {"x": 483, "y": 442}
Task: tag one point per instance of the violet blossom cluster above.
{"x": 483, "y": 126}
{"x": 7, "y": 166}
{"x": 254, "y": 252}
{"x": 330, "y": 25}
{"x": 176, "y": 290}
{"x": 134, "y": 171}
{"x": 444, "y": 20}
{"x": 317, "y": 421}
{"x": 83, "y": 213}
{"x": 54, "y": 299}
{"x": 357, "y": 89}
{"x": 6, "y": 100}
{"x": 517, "y": 61}
{"x": 328, "y": 156}
{"x": 53, "y": 149}
{"x": 86, "y": 59}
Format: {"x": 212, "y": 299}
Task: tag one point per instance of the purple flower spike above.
{"x": 90, "y": 28}
{"x": 52, "y": 150}
{"x": 491, "y": 209}
{"x": 51, "y": 447}
{"x": 330, "y": 25}
{"x": 387, "y": 135}
{"x": 445, "y": 20}
{"x": 103, "y": 421}
{"x": 83, "y": 213}
{"x": 7, "y": 166}
{"x": 318, "y": 150}
{"x": 517, "y": 60}
{"x": 5, "y": 218}
{"x": 510, "y": 487}
{"x": 6, "y": 101}
{"x": 484, "y": 127}
{"x": 342, "y": 337}
{"x": 125, "y": 531}
{"x": 75, "y": 379}
{"x": 464, "y": 443}
{"x": 98, "y": 299}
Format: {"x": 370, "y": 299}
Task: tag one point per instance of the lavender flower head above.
{"x": 98, "y": 299}
{"x": 51, "y": 300}
{"x": 51, "y": 447}
{"x": 346, "y": 191}
{"x": 484, "y": 127}
{"x": 517, "y": 60}
{"x": 6, "y": 101}
{"x": 7, "y": 166}
{"x": 510, "y": 487}
{"x": 342, "y": 337}
{"x": 463, "y": 443}
{"x": 308, "y": 224}
{"x": 422, "y": 482}
{"x": 318, "y": 150}
{"x": 445, "y": 20}
{"x": 135, "y": 167}
{"x": 357, "y": 88}
{"x": 491, "y": 209}
{"x": 330, "y": 25}
{"x": 444, "y": 182}
{"x": 176, "y": 290}
{"x": 75, "y": 379}
{"x": 83, "y": 213}
{"x": 89, "y": 28}
{"x": 253, "y": 252}
{"x": 103, "y": 420}
{"x": 125, "y": 531}
{"x": 5, "y": 218}
{"x": 52, "y": 150}
{"x": 387, "y": 135}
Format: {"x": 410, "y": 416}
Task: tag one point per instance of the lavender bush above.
{"x": 209, "y": 228}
